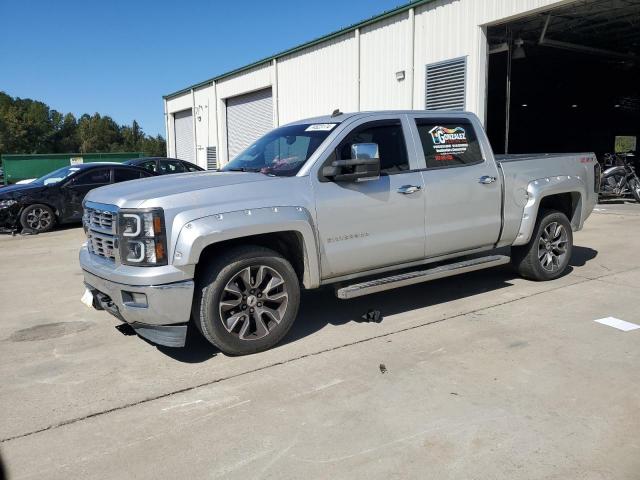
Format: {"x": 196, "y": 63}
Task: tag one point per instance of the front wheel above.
{"x": 246, "y": 300}
{"x": 547, "y": 254}
{"x": 37, "y": 218}
{"x": 634, "y": 186}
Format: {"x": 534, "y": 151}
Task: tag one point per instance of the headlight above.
{"x": 7, "y": 203}
{"x": 142, "y": 237}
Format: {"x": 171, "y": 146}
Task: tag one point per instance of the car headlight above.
{"x": 7, "y": 203}
{"x": 142, "y": 238}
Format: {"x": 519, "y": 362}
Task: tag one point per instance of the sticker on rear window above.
{"x": 320, "y": 127}
{"x": 448, "y": 142}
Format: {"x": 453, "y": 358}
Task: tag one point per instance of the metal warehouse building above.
{"x": 543, "y": 75}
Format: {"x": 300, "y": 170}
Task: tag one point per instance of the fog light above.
{"x": 134, "y": 299}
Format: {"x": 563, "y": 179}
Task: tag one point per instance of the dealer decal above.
{"x": 448, "y": 142}
{"x": 320, "y": 127}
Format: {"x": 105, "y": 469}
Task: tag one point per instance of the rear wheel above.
{"x": 547, "y": 254}
{"x": 37, "y": 218}
{"x": 246, "y": 300}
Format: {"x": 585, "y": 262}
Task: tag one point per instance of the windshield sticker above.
{"x": 320, "y": 127}
{"x": 448, "y": 142}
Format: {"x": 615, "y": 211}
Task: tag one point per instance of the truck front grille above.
{"x": 102, "y": 245}
{"x": 100, "y": 225}
{"x": 99, "y": 220}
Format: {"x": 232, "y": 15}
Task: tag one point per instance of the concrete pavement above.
{"x": 485, "y": 376}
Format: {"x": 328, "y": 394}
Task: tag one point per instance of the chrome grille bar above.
{"x": 100, "y": 224}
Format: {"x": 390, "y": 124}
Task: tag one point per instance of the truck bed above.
{"x": 519, "y": 157}
{"x": 520, "y": 170}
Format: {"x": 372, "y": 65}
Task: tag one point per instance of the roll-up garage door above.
{"x": 249, "y": 117}
{"x": 183, "y": 126}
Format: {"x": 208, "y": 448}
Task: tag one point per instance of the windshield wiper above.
{"x": 243, "y": 169}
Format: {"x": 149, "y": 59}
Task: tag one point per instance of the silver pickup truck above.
{"x": 364, "y": 202}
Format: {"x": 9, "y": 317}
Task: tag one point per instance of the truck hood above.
{"x": 133, "y": 193}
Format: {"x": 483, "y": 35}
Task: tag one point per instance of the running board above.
{"x": 404, "y": 279}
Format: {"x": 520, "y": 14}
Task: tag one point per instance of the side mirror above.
{"x": 363, "y": 165}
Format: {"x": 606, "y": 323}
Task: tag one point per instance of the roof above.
{"x": 337, "y": 33}
{"x": 367, "y": 113}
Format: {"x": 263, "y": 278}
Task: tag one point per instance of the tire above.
{"x": 239, "y": 317}
{"x": 37, "y": 218}
{"x": 547, "y": 254}
{"x": 634, "y": 186}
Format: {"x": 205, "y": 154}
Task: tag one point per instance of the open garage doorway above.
{"x": 566, "y": 80}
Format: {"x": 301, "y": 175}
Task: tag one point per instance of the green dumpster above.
{"x": 21, "y": 167}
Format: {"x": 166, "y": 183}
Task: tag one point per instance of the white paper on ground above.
{"x": 87, "y": 298}
{"x": 617, "y": 323}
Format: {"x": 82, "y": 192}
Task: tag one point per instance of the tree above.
{"x": 29, "y": 126}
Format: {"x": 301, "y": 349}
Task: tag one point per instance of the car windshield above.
{"x": 283, "y": 151}
{"x": 56, "y": 176}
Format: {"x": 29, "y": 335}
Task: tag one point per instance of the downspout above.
{"x": 166, "y": 126}
{"x": 357, "y": 39}
{"x": 215, "y": 116}
{"x": 193, "y": 119}
{"x": 412, "y": 23}
{"x": 276, "y": 97}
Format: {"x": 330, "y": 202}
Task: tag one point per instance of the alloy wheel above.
{"x": 552, "y": 247}
{"x": 253, "y": 302}
{"x": 39, "y": 219}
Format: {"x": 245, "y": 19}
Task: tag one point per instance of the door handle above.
{"x": 486, "y": 179}
{"x": 409, "y": 189}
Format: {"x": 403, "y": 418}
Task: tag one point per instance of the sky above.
{"x": 119, "y": 58}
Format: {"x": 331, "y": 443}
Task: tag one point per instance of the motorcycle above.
{"x": 620, "y": 180}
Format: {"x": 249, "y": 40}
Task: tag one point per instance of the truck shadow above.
{"x": 321, "y": 307}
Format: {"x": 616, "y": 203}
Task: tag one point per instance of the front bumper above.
{"x": 158, "y": 312}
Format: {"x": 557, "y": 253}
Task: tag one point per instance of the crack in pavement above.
{"x": 295, "y": 359}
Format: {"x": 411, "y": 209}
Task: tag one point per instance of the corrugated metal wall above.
{"x": 385, "y": 49}
{"x": 204, "y": 109}
{"x": 357, "y": 71}
{"x": 318, "y": 80}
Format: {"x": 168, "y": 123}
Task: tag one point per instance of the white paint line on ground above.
{"x": 181, "y": 405}
{"x": 617, "y": 323}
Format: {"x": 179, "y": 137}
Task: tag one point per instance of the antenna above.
{"x": 336, "y": 112}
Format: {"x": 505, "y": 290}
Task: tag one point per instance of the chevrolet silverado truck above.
{"x": 364, "y": 202}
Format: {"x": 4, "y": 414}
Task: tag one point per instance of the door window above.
{"x": 150, "y": 166}
{"x": 391, "y": 144}
{"x": 448, "y": 143}
{"x": 124, "y": 174}
{"x": 171, "y": 166}
{"x": 98, "y": 176}
{"x": 190, "y": 167}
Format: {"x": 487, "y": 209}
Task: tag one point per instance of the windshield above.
{"x": 56, "y": 176}
{"x": 283, "y": 151}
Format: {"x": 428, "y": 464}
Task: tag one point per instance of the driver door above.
{"x": 377, "y": 222}
{"x": 74, "y": 191}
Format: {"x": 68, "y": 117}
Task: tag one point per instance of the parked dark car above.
{"x": 56, "y": 198}
{"x": 164, "y": 165}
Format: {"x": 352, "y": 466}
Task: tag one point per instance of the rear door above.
{"x": 249, "y": 117}
{"x": 462, "y": 188}
{"x": 183, "y": 134}
{"x": 374, "y": 223}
